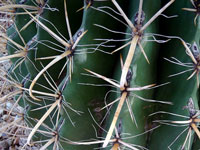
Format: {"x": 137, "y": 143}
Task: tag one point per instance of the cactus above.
{"x": 106, "y": 74}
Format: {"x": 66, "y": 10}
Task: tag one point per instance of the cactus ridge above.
{"x": 100, "y": 74}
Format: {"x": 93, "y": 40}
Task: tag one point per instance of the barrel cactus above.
{"x": 106, "y": 74}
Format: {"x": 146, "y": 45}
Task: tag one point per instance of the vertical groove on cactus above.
{"x": 106, "y": 74}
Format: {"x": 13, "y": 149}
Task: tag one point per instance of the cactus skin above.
{"x": 175, "y": 92}
{"x": 12, "y": 33}
{"x": 83, "y": 97}
{"x": 18, "y": 73}
{"x": 196, "y": 143}
{"x": 140, "y": 108}
{"x": 94, "y": 62}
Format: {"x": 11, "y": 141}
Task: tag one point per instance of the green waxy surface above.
{"x": 86, "y": 93}
{"x": 140, "y": 77}
{"x": 180, "y": 89}
{"x": 196, "y": 143}
{"x": 27, "y": 34}
{"x": 83, "y": 129}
